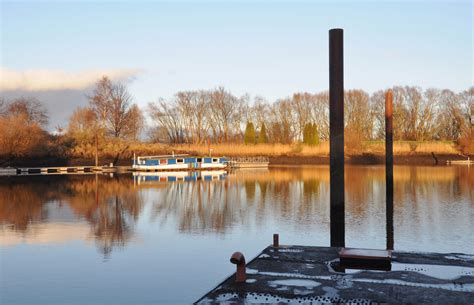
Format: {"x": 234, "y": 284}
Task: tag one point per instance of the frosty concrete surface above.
{"x": 299, "y": 274}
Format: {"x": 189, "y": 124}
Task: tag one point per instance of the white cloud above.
{"x": 41, "y": 80}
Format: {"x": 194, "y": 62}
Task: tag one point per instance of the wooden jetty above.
{"x": 460, "y": 162}
{"x": 8, "y": 171}
{"x": 249, "y": 162}
{"x": 315, "y": 275}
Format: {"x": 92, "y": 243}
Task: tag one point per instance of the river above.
{"x": 119, "y": 239}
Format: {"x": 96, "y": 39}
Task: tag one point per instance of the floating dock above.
{"x": 314, "y": 275}
{"x": 62, "y": 170}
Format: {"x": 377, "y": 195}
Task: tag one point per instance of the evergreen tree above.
{"x": 249, "y": 136}
{"x": 311, "y": 134}
{"x": 314, "y": 134}
{"x": 307, "y": 134}
{"x": 262, "y": 136}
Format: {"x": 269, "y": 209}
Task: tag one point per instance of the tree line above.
{"x": 419, "y": 115}
{"x": 219, "y": 116}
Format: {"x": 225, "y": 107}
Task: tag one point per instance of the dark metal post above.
{"x": 389, "y": 167}
{"x": 336, "y": 130}
{"x": 276, "y": 241}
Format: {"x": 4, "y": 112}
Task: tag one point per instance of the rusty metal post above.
{"x": 336, "y": 136}
{"x": 239, "y": 259}
{"x": 389, "y": 167}
{"x": 96, "y": 149}
{"x": 276, "y": 241}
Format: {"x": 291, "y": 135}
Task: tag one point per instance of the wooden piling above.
{"x": 389, "y": 167}
{"x": 336, "y": 137}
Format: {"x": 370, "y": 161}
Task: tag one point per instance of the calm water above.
{"x": 118, "y": 240}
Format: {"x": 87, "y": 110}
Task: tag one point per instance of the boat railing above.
{"x": 162, "y": 156}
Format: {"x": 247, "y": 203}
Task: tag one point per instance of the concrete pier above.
{"x": 314, "y": 275}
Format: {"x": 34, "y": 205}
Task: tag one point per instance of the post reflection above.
{"x": 106, "y": 209}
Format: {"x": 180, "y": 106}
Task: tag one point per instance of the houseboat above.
{"x": 178, "y": 162}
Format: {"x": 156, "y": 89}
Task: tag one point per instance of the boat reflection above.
{"x": 140, "y": 178}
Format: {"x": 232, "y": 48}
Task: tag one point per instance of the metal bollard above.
{"x": 239, "y": 259}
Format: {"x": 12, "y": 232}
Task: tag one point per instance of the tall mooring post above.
{"x": 96, "y": 149}
{"x": 389, "y": 167}
{"x": 336, "y": 137}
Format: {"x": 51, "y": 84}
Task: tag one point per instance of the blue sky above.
{"x": 267, "y": 48}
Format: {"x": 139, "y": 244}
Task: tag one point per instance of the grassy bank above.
{"x": 273, "y": 150}
{"x": 279, "y": 154}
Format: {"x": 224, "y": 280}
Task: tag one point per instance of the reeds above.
{"x": 270, "y": 150}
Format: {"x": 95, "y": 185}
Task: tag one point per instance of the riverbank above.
{"x": 405, "y": 153}
{"x": 369, "y": 159}
{"x": 290, "y": 160}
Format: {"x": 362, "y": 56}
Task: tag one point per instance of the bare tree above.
{"x": 225, "y": 114}
{"x": 282, "y": 125}
{"x": 193, "y": 106}
{"x": 115, "y": 112}
{"x": 466, "y": 101}
{"x": 377, "y": 104}
{"x": 259, "y": 111}
{"x": 167, "y": 117}
{"x": 302, "y": 105}
{"x": 426, "y": 129}
{"x": 451, "y": 119}
{"x": 358, "y": 114}
{"x": 124, "y": 117}
{"x": 30, "y": 108}
{"x": 100, "y": 100}
{"x": 82, "y": 125}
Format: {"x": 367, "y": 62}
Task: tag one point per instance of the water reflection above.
{"x": 106, "y": 204}
{"x": 427, "y": 201}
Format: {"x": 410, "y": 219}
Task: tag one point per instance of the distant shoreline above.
{"x": 285, "y": 160}
{"x": 368, "y": 159}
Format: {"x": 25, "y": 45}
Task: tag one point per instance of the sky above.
{"x": 55, "y": 51}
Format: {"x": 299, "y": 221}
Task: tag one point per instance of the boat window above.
{"x": 162, "y": 161}
{"x": 199, "y": 159}
{"x": 214, "y": 160}
{"x": 179, "y": 160}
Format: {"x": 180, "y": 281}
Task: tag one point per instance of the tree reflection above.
{"x": 22, "y": 203}
{"x": 109, "y": 205}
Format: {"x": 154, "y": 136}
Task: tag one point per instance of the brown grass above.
{"x": 399, "y": 148}
{"x": 269, "y": 150}
{"x": 407, "y": 148}
{"x": 258, "y": 149}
